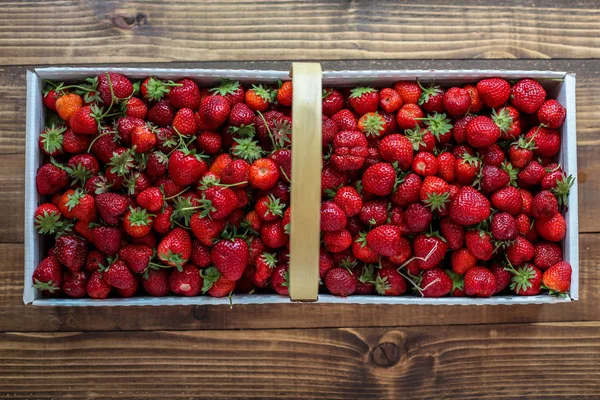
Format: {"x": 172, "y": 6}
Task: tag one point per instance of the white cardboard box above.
{"x": 559, "y": 85}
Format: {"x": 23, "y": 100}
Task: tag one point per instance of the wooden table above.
{"x": 299, "y": 351}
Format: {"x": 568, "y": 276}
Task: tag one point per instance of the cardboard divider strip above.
{"x": 305, "y": 187}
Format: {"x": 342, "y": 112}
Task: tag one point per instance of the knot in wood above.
{"x": 129, "y": 21}
{"x": 385, "y": 354}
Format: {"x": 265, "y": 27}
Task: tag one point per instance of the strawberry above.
{"x": 379, "y": 179}
{"x": 503, "y": 226}
{"x": 48, "y": 276}
{"x": 480, "y": 282}
{"x": 136, "y": 257}
{"x": 551, "y": 114}
{"x": 526, "y": 280}
{"x": 336, "y": 242}
{"x": 85, "y": 230}
{"x": 96, "y": 287}
{"x": 388, "y": 282}
{"x": 144, "y": 139}
{"x": 469, "y": 207}
{"x": 110, "y": 206}
{"x": 107, "y": 239}
{"x": 476, "y": 103}
{"x": 435, "y": 283}
{"x": 269, "y": 208}
{"x": 459, "y": 128}
{"x": 507, "y": 199}
{"x": 175, "y": 248}
{"x": 482, "y": 132}
{"x": 241, "y": 119}
{"x": 340, "y": 282}
{"x": 429, "y": 250}
{"x": 67, "y": 104}
{"x": 558, "y": 277}
{"x": 546, "y": 255}
{"x": 396, "y": 149}
{"x": 74, "y": 144}
{"x": 214, "y": 111}
{"x": 408, "y": 116}
{"x": 113, "y": 87}
{"x": 408, "y": 191}
{"x": 156, "y": 282}
{"x": 209, "y": 142}
{"x": 546, "y": 141}
{"x": 186, "y": 167}
{"x": 205, "y": 229}
{"x": 361, "y": 251}
{"x": 218, "y": 202}
{"x": 372, "y": 125}
{"x": 47, "y": 219}
{"x": 78, "y": 205}
{"x": 185, "y": 94}
{"x": 131, "y": 290}
{"x": 50, "y": 98}
{"x": 531, "y": 175}
{"x": 520, "y": 152}
{"x": 453, "y": 233}
{"x": 345, "y": 120}
{"x": 200, "y": 254}
{"x": 520, "y": 251}
{"x": 410, "y": 92}
{"x": 462, "y": 260}
{"x": 154, "y": 89}
{"x": 417, "y": 218}
{"x": 492, "y": 178}
{"x": 187, "y": 281}
{"x": 389, "y": 100}
{"x": 333, "y": 217}
{"x": 184, "y": 122}
{"x": 479, "y": 243}
{"x": 74, "y": 284}
{"x": 161, "y": 113}
{"x": 215, "y": 284}
{"x": 446, "y": 163}
{"x": 136, "y": 108}
{"x": 527, "y": 96}
{"x": 466, "y": 168}
{"x": 328, "y": 131}
{"x": 364, "y": 100}
{"x": 374, "y": 213}
{"x": 492, "y": 155}
{"x": 273, "y": 235}
{"x": 349, "y": 200}
{"x": 457, "y": 101}
{"x": 285, "y": 94}
{"x": 232, "y": 91}
{"x": 283, "y": 159}
{"x": 279, "y": 280}
{"x": 50, "y": 179}
{"x": 458, "y": 284}
{"x": 137, "y": 222}
{"x": 350, "y": 150}
{"x": 265, "y": 263}
{"x": 425, "y": 164}
{"x": 51, "y": 140}
{"x": 559, "y": 184}
{"x": 544, "y": 205}
{"x": 552, "y": 229}
{"x": 502, "y": 275}
{"x": 258, "y": 98}
{"x": 432, "y": 98}
{"x": 118, "y": 275}
{"x": 151, "y": 199}
{"x": 434, "y": 193}
{"x": 494, "y": 92}
{"x": 263, "y": 173}
{"x": 333, "y": 101}
{"x": 404, "y": 254}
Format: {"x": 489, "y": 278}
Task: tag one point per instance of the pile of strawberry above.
{"x": 445, "y": 191}
{"x": 160, "y": 187}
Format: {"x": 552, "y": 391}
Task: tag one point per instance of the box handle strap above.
{"x": 305, "y": 187}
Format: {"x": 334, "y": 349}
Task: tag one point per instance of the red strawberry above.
{"x": 230, "y": 257}
{"x": 218, "y": 202}
{"x": 546, "y": 255}
{"x": 492, "y": 178}
{"x": 151, "y": 199}
{"x": 364, "y": 100}
{"x": 96, "y": 287}
{"x": 206, "y": 229}
{"x": 527, "y": 96}
{"x": 333, "y": 101}
{"x": 234, "y": 92}
{"x": 379, "y": 179}
{"x": 209, "y": 142}
{"x": 372, "y": 124}
{"x": 480, "y": 282}
{"x": 503, "y": 277}
{"x": 404, "y": 254}
{"x": 417, "y": 218}
{"x": 74, "y": 144}
{"x": 507, "y": 199}
{"x": 457, "y": 101}
{"x": 466, "y": 168}
{"x": 508, "y": 120}
{"x": 48, "y": 276}
{"x": 107, "y": 239}
{"x": 408, "y": 116}
{"x": 425, "y": 164}
{"x": 532, "y": 174}
{"x": 345, "y": 120}
{"x": 462, "y": 260}
{"x": 453, "y": 233}
{"x": 265, "y": 263}
{"x": 118, "y": 275}
{"x": 409, "y": 91}
{"x": 429, "y": 249}
{"x": 71, "y": 251}
{"x": 137, "y": 222}
{"x": 156, "y": 282}
{"x": 435, "y": 193}
{"x": 51, "y": 140}
{"x": 161, "y": 113}
{"x": 408, "y": 191}
{"x": 482, "y": 132}
{"x": 374, "y": 213}
{"x": 185, "y": 94}
{"x": 136, "y": 257}
{"x": 122, "y": 87}
{"x": 187, "y": 281}
{"x": 521, "y": 152}
{"x": 258, "y": 98}
{"x": 47, "y": 219}
{"x": 273, "y": 235}
{"x": 432, "y": 99}
{"x": 263, "y": 173}
{"x": 175, "y": 248}
{"x": 546, "y": 141}
{"x": 503, "y": 226}
{"x": 94, "y": 259}
{"x": 388, "y": 282}
{"x": 340, "y": 282}
{"x": 492, "y": 155}
{"x": 269, "y": 208}
{"x": 435, "y": 282}
{"x": 350, "y": 150}
{"x": 476, "y": 103}
{"x": 551, "y": 114}
{"x": 361, "y": 251}
{"x": 186, "y": 167}
{"x": 544, "y": 205}
{"x": 459, "y": 129}
{"x": 469, "y": 207}
{"x": 50, "y": 179}
{"x": 215, "y": 284}
{"x": 526, "y": 280}
{"x": 74, "y": 284}
{"x": 136, "y": 108}
{"x": 479, "y": 243}
{"x": 50, "y": 98}
{"x": 336, "y": 242}
{"x": 184, "y": 122}
{"x": 396, "y": 148}
{"x": 332, "y": 217}
{"x": 552, "y": 229}
{"x": 110, "y": 206}
{"x": 558, "y": 277}
{"x": 214, "y": 111}
{"x": 446, "y": 163}
{"x": 349, "y": 200}
{"x": 390, "y": 100}
{"x": 520, "y": 251}
{"x": 494, "y": 92}
{"x": 283, "y": 159}
{"x": 328, "y": 131}
{"x": 162, "y": 220}
{"x": 144, "y": 139}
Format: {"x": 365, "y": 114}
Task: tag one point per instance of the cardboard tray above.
{"x": 559, "y": 85}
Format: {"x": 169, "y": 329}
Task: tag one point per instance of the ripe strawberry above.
{"x": 410, "y": 92}
{"x": 137, "y": 222}
{"x": 508, "y": 120}
{"x": 503, "y": 226}
{"x": 469, "y": 207}
{"x": 466, "y": 168}
{"x": 113, "y": 87}
{"x": 206, "y": 230}
{"x": 214, "y": 111}
{"x": 75, "y": 144}
{"x": 446, "y": 163}
{"x": 333, "y": 101}
{"x": 67, "y": 104}
{"x": 494, "y": 92}
{"x": 453, "y": 233}
{"x": 209, "y": 142}
{"x": 379, "y": 179}
{"x": 118, "y": 275}
{"x": 408, "y": 191}
{"x": 551, "y": 114}
{"x": 50, "y": 98}
{"x": 151, "y": 199}
{"x": 136, "y": 257}
{"x": 218, "y": 202}
{"x": 404, "y": 254}
{"x": 154, "y": 89}
{"x": 184, "y": 122}
{"x": 269, "y": 208}
{"x": 85, "y": 230}
{"x": 332, "y": 217}
{"x": 258, "y": 98}
{"x": 432, "y": 99}
{"x": 492, "y": 178}
{"x": 186, "y": 167}
{"x": 175, "y": 248}
{"x": 47, "y": 219}
{"x": 434, "y": 193}
{"x": 273, "y": 235}
{"x": 462, "y": 260}
{"x": 544, "y": 205}
{"x": 374, "y": 213}
{"x": 480, "y": 282}
{"x": 502, "y": 275}
{"x": 283, "y": 159}
{"x": 51, "y": 140}
{"x": 520, "y": 251}
{"x": 364, "y": 100}
{"x": 185, "y": 94}
{"x": 156, "y": 282}
{"x": 345, "y": 120}
{"x": 48, "y": 276}
{"x": 336, "y": 242}
{"x": 372, "y": 124}
{"x": 417, "y": 218}
{"x": 230, "y": 257}
{"x": 110, "y": 206}
{"x": 546, "y": 141}
{"x": 263, "y": 174}
{"x": 265, "y": 263}
{"x": 527, "y": 96}
{"x": 50, "y": 179}
{"x": 74, "y": 284}
{"x": 526, "y": 280}
{"x": 558, "y": 277}
{"x": 552, "y": 229}
{"x": 107, "y": 239}
{"x": 396, "y": 148}
{"x": 507, "y": 199}
{"x": 479, "y": 244}
{"x": 187, "y": 281}
{"x": 78, "y": 205}
{"x": 361, "y": 251}
{"x": 520, "y": 153}
{"x": 435, "y": 283}
{"x": 350, "y": 150}
{"x": 231, "y": 90}
{"x": 349, "y": 200}
{"x": 532, "y": 174}
{"x": 215, "y": 284}
{"x": 408, "y": 116}
{"x": 136, "y": 108}
{"x": 482, "y": 132}
{"x": 388, "y": 282}
{"x": 425, "y": 164}
{"x": 492, "y": 155}
{"x": 546, "y": 255}
{"x": 459, "y": 128}
{"x": 161, "y": 113}
{"x": 130, "y": 291}
{"x": 457, "y": 101}
{"x": 429, "y": 250}
{"x": 340, "y": 282}
{"x": 328, "y": 131}
{"x": 96, "y": 287}
{"x": 144, "y": 139}
{"x": 389, "y": 100}
{"x": 476, "y": 103}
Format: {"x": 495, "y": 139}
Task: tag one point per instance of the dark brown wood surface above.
{"x": 299, "y": 351}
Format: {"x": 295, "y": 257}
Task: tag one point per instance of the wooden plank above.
{"x": 12, "y": 182}
{"x": 527, "y": 361}
{"x": 14, "y": 316}
{"x": 147, "y": 31}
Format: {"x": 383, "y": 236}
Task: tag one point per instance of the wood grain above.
{"x": 70, "y": 31}
{"x": 558, "y": 361}
{"x": 14, "y": 316}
